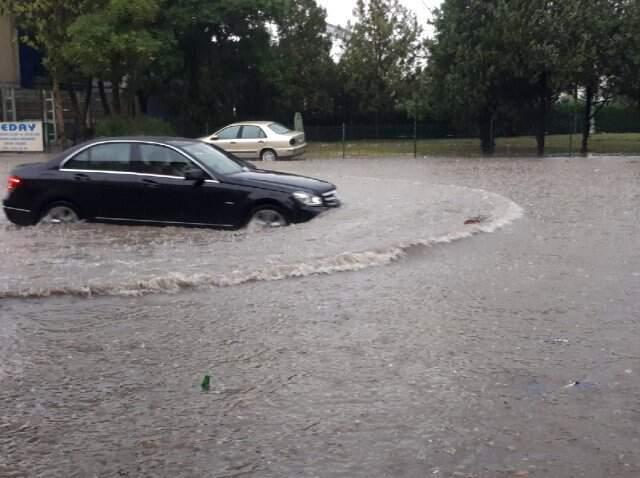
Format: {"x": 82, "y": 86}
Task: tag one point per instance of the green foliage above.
{"x": 116, "y": 39}
{"x": 45, "y": 23}
{"x": 493, "y": 65}
{"x": 300, "y": 70}
{"x": 126, "y": 126}
{"x": 381, "y": 55}
{"x": 628, "y": 74}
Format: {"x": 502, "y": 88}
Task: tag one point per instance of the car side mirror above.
{"x": 213, "y": 137}
{"x": 195, "y": 174}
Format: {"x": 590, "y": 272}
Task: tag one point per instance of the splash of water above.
{"x": 344, "y": 262}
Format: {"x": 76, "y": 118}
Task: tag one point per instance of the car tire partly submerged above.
{"x": 267, "y": 217}
{"x": 60, "y": 212}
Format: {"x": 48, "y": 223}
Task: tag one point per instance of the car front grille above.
{"x": 330, "y": 199}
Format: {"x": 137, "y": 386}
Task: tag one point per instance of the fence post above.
{"x": 344, "y": 139}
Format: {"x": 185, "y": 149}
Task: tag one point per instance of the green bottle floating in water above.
{"x": 206, "y": 383}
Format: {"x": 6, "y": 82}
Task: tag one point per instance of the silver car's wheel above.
{"x": 60, "y": 214}
{"x": 268, "y": 155}
{"x": 267, "y": 217}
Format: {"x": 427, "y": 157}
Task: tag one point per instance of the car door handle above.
{"x": 260, "y": 142}
{"x": 148, "y": 183}
{"x": 232, "y": 142}
{"x": 81, "y": 177}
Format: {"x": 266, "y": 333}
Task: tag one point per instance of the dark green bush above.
{"x": 140, "y": 125}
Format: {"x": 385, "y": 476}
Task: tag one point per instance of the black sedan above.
{"x": 164, "y": 181}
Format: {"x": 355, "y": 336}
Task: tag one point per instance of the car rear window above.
{"x": 102, "y": 157}
{"x": 278, "y": 128}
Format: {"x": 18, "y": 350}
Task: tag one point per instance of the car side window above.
{"x": 229, "y": 133}
{"x": 252, "y": 132}
{"x": 156, "y": 159}
{"x": 103, "y": 157}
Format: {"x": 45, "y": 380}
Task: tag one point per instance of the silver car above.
{"x": 265, "y": 140}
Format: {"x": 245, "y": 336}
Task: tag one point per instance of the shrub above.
{"x": 140, "y": 125}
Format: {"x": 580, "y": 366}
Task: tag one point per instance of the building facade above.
{"x": 9, "y": 54}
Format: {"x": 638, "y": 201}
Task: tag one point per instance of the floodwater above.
{"x": 385, "y": 338}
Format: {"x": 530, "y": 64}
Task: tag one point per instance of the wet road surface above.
{"x": 508, "y": 353}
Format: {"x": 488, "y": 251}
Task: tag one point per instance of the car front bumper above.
{"x": 302, "y": 213}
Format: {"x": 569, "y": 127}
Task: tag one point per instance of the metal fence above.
{"x": 615, "y": 131}
{"x": 23, "y": 104}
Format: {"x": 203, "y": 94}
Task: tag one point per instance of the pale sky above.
{"x": 339, "y": 11}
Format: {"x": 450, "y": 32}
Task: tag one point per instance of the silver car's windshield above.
{"x": 212, "y": 158}
{"x": 278, "y": 128}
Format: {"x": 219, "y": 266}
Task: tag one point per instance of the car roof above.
{"x": 170, "y": 140}
{"x": 259, "y": 123}
{"x": 153, "y": 139}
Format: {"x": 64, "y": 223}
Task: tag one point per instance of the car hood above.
{"x": 279, "y": 181}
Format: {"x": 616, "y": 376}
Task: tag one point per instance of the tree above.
{"x": 596, "y": 36}
{"x": 628, "y": 74}
{"x": 535, "y": 52}
{"x": 301, "y": 69}
{"x": 221, "y": 46}
{"x": 45, "y": 24}
{"x": 465, "y": 65}
{"x": 381, "y": 54}
{"x": 117, "y": 40}
{"x": 497, "y": 59}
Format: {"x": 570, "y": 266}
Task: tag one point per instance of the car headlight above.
{"x": 307, "y": 199}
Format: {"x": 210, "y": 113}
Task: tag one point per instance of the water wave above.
{"x": 344, "y": 262}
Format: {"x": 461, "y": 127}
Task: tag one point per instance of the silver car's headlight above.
{"x": 307, "y": 199}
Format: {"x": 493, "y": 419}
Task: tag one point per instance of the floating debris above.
{"x": 475, "y": 220}
{"x": 206, "y": 383}
{"x": 557, "y": 341}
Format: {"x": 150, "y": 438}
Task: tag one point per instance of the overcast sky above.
{"x": 339, "y": 11}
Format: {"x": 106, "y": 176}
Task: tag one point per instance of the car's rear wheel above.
{"x": 60, "y": 213}
{"x": 268, "y": 155}
{"x": 266, "y": 217}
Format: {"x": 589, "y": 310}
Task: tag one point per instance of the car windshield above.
{"x": 213, "y": 159}
{"x": 278, "y": 128}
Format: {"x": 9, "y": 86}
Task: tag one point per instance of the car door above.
{"x": 101, "y": 182}
{"x": 227, "y": 138}
{"x": 169, "y": 198}
{"x": 250, "y": 142}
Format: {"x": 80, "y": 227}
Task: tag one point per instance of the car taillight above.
{"x": 13, "y": 182}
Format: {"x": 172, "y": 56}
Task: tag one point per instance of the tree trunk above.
{"x": 487, "y": 142}
{"x": 543, "y": 107}
{"x": 57, "y": 100}
{"x": 86, "y": 107}
{"x": 75, "y": 106}
{"x": 103, "y": 98}
{"x": 143, "y": 102}
{"x": 115, "y": 94}
{"x": 540, "y": 142}
{"x": 586, "y": 127}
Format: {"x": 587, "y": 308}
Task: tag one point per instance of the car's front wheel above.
{"x": 60, "y": 213}
{"x": 267, "y": 216}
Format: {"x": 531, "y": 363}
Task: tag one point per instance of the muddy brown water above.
{"x": 383, "y": 339}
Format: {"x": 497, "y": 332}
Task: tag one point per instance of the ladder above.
{"x": 8, "y": 97}
{"x": 49, "y": 117}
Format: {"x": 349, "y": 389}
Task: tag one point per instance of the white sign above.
{"x": 21, "y": 136}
